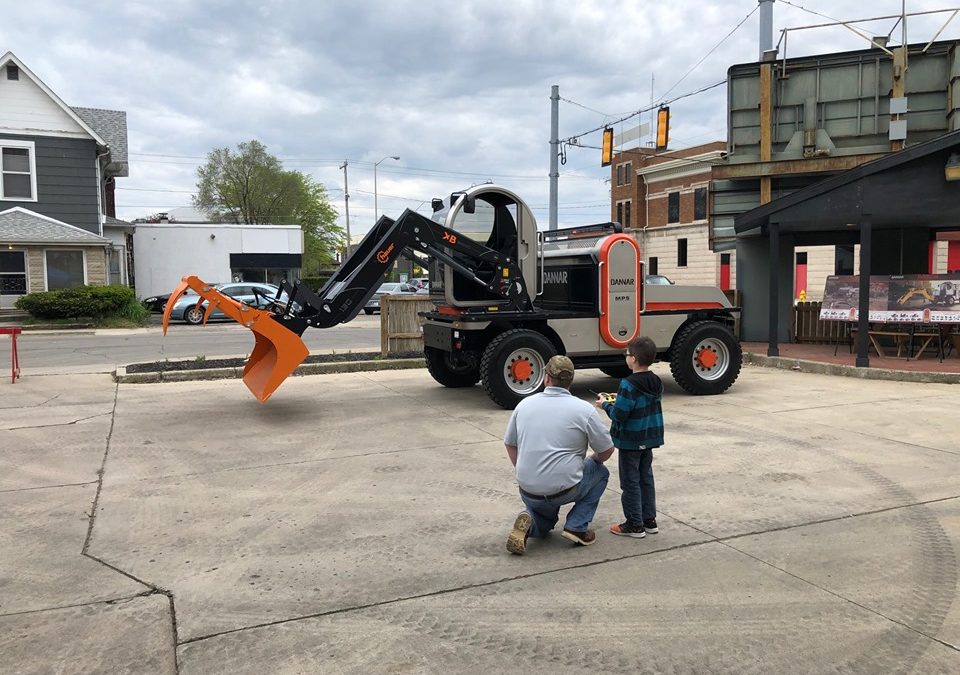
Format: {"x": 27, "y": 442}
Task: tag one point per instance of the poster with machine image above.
{"x": 918, "y": 298}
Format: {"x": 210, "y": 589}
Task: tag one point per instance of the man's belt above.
{"x": 545, "y": 497}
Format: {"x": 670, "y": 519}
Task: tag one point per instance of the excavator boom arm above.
{"x": 279, "y": 349}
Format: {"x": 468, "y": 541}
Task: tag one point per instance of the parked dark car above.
{"x": 156, "y": 303}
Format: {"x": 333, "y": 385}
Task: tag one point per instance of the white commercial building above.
{"x": 215, "y": 252}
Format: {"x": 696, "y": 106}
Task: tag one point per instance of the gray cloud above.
{"x": 459, "y": 90}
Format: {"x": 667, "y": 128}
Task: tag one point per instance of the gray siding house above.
{"x": 58, "y": 165}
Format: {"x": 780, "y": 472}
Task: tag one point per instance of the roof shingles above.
{"x": 112, "y": 127}
{"x": 20, "y": 226}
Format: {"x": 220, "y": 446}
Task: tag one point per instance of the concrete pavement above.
{"x": 356, "y": 523}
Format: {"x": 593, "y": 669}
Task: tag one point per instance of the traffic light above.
{"x": 663, "y": 127}
{"x": 606, "y": 154}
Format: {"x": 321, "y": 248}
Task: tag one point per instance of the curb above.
{"x": 850, "y": 371}
{"x": 121, "y": 375}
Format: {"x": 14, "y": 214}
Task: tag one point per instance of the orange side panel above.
{"x": 608, "y": 337}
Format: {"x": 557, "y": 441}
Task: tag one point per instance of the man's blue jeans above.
{"x": 586, "y": 498}
{"x": 639, "y": 495}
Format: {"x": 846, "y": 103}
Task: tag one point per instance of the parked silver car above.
{"x": 389, "y": 288}
{"x": 253, "y": 294}
{"x": 657, "y": 280}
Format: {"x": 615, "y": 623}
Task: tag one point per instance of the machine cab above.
{"x": 497, "y": 218}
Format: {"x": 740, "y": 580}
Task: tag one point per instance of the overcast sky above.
{"x": 458, "y": 90}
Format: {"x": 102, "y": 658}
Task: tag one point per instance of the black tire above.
{"x": 368, "y": 311}
{"x": 194, "y": 315}
{"x": 453, "y": 370}
{"x": 705, "y": 358}
{"x": 518, "y": 350}
{"x": 616, "y": 371}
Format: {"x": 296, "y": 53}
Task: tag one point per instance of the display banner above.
{"x": 918, "y": 298}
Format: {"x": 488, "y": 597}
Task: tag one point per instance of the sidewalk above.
{"x": 356, "y": 524}
{"x": 824, "y": 353}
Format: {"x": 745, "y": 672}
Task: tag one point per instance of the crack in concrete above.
{"x": 85, "y": 551}
{"x": 850, "y": 601}
{"x": 109, "y": 601}
{"x": 35, "y": 405}
{"x": 484, "y": 584}
{"x": 62, "y": 424}
{"x": 48, "y": 487}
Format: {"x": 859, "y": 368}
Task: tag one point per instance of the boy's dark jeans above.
{"x": 639, "y": 498}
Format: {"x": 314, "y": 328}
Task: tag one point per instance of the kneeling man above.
{"x": 547, "y": 439}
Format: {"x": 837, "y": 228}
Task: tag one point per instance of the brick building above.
{"x": 662, "y": 200}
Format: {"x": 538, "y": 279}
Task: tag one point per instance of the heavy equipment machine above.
{"x": 507, "y": 297}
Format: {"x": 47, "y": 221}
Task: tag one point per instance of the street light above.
{"x": 376, "y": 212}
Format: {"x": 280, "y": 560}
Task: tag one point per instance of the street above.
{"x": 103, "y": 350}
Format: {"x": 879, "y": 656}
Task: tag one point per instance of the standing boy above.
{"x": 636, "y": 430}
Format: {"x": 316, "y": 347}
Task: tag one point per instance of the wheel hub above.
{"x": 707, "y": 358}
{"x": 521, "y": 370}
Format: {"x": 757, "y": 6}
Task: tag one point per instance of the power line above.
{"x": 580, "y": 105}
{"x": 704, "y": 58}
{"x": 570, "y": 140}
{"x": 809, "y": 11}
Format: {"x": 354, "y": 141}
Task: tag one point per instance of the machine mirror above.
{"x": 469, "y": 203}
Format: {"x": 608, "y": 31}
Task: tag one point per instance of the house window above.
{"x": 627, "y": 171}
{"x": 13, "y": 71}
{"x": 673, "y": 207}
{"x": 620, "y": 212}
{"x": 65, "y": 269}
{"x": 652, "y": 265}
{"x": 681, "y": 252}
{"x": 18, "y": 176}
{"x": 700, "y": 204}
{"x": 619, "y": 174}
{"x": 13, "y": 273}
{"x": 113, "y": 266}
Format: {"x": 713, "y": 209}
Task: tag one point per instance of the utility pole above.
{"x": 766, "y": 26}
{"x": 554, "y": 152}
{"x": 346, "y": 205}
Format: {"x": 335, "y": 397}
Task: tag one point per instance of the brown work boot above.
{"x": 517, "y": 541}
{"x": 583, "y": 538}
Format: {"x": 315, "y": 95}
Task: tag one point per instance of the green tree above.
{"x": 249, "y": 185}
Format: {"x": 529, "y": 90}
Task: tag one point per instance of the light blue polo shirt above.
{"x": 552, "y": 430}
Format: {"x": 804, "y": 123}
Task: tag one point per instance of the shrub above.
{"x": 69, "y": 303}
{"x": 314, "y": 283}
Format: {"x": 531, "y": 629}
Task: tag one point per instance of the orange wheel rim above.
{"x": 707, "y": 358}
{"x": 521, "y": 370}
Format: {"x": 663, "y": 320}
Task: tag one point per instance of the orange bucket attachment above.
{"x": 277, "y": 352}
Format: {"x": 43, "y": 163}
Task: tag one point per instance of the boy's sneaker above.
{"x": 628, "y": 529}
{"x": 583, "y": 538}
{"x": 517, "y": 541}
{"x": 650, "y": 525}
